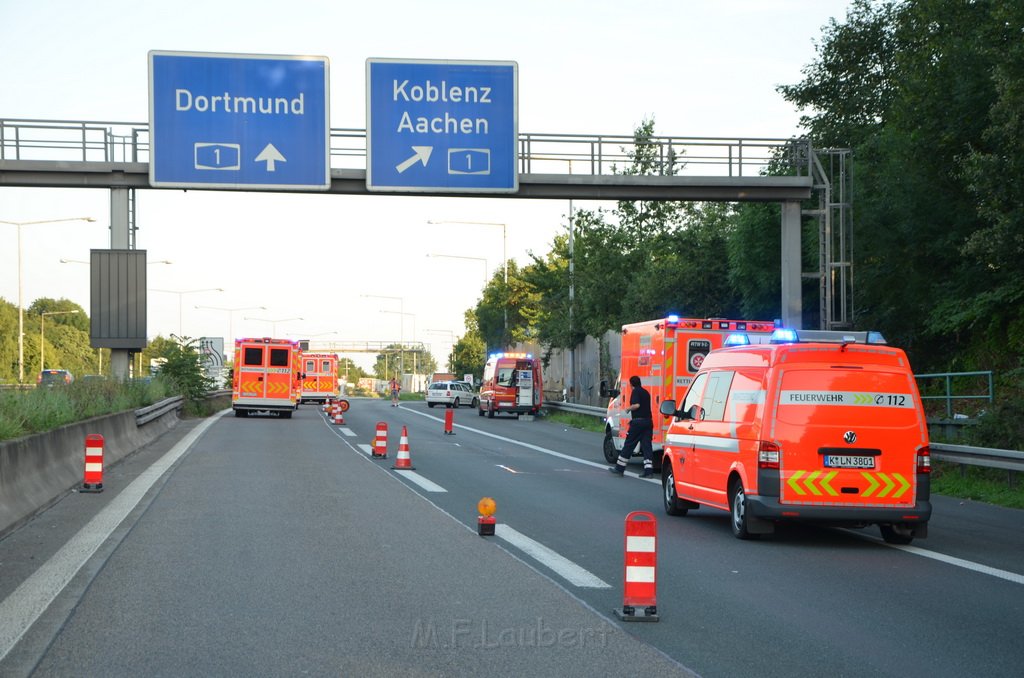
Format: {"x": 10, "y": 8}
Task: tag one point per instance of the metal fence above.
{"x": 949, "y": 382}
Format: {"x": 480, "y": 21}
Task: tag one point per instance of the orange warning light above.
{"x": 486, "y": 507}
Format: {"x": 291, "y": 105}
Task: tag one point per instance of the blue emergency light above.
{"x": 737, "y": 339}
{"x": 784, "y": 335}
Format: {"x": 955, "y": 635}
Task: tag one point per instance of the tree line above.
{"x": 927, "y": 95}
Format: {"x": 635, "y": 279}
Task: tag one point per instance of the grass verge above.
{"x": 585, "y": 422}
{"x": 977, "y": 483}
{"x": 38, "y": 410}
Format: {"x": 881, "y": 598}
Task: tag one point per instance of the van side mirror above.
{"x": 668, "y": 408}
{"x": 606, "y": 392}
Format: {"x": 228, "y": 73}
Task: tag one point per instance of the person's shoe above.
{"x": 648, "y": 473}
{"x": 617, "y": 470}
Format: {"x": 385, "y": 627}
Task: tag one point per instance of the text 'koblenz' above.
{"x": 442, "y": 92}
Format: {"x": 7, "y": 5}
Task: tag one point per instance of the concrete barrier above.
{"x": 37, "y": 470}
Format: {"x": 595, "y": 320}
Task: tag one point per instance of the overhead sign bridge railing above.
{"x": 538, "y": 153}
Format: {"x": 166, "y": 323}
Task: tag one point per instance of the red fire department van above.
{"x": 266, "y": 377}
{"x": 825, "y": 427}
{"x": 320, "y": 377}
{"x": 512, "y": 384}
{"x": 665, "y": 354}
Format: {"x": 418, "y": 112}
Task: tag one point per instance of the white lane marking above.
{"x": 565, "y": 568}
{"x": 427, "y": 485}
{"x": 367, "y": 449}
{"x": 960, "y": 562}
{"x": 27, "y": 603}
{"x": 950, "y": 560}
{"x": 349, "y": 432}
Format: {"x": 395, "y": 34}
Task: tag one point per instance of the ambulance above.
{"x": 512, "y": 384}
{"x": 267, "y": 377}
{"x": 320, "y": 377}
{"x": 665, "y": 354}
{"x": 824, "y": 427}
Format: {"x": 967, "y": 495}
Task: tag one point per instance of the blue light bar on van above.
{"x": 876, "y": 338}
{"x": 672, "y": 320}
{"x": 784, "y": 335}
{"x": 737, "y": 339}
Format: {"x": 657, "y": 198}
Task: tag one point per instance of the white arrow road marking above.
{"x": 420, "y": 153}
{"x": 270, "y": 155}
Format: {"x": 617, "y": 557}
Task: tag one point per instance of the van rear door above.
{"x": 849, "y": 435}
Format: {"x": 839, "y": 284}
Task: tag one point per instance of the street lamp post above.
{"x": 181, "y": 294}
{"x": 231, "y": 316}
{"x": 273, "y": 323}
{"x": 504, "y": 255}
{"x": 401, "y": 337}
{"x": 21, "y": 280}
{"x": 42, "y": 335}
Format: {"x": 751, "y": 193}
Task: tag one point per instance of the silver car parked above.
{"x": 451, "y": 394}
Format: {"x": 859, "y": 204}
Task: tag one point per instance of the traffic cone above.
{"x": 449, "y": 418}
{"x": 403, "y": 461}
{"x": 339, "y": 416}
{"x": 93, "y": 480}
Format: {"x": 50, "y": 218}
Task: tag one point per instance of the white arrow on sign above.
{"x": 420, "y": 153}
{"x": 270, "y": 155}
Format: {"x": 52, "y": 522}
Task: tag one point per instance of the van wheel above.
{"x": 475, "y": 403}
{"x": 738, "y": 512}
{"x": 479, "y": 411}
{"x": 431, "y": 405}
{"x": 668, "y": 484}
{"x": 611, "y": 455}
{"x": 455, "y": 404}
{"x": 490, "y": 411}
{"x": 896, "y": 533}
{"x": 241, "y": 413}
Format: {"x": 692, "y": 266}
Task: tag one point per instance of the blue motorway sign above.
{"x": 441, "y": 126}
{"x": 240, "y": 121}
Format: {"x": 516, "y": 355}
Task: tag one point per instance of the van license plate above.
{"x": 848, "y": 461}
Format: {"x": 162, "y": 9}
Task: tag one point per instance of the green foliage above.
{"x": 470, "y": 352}
{"x": 183, "y": 370}
{"x": 1002, "y": 426}
{"x": 928, "y": 95}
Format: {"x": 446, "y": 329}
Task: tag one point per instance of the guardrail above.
{"x": 1006, "y": 460}
{"x": 144, "y": 415}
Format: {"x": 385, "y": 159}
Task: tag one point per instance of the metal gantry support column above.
{"x": 792, "y": 299}
{"x": 121, "y": 201}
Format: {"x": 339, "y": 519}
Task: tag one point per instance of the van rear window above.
{"x": 279, "y": 357}
{"x": 253, "y": 356}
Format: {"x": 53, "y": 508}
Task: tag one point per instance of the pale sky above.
{"x": 701, "y": 68}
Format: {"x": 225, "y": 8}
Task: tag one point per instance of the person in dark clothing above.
{"x": 641, "y": 430}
